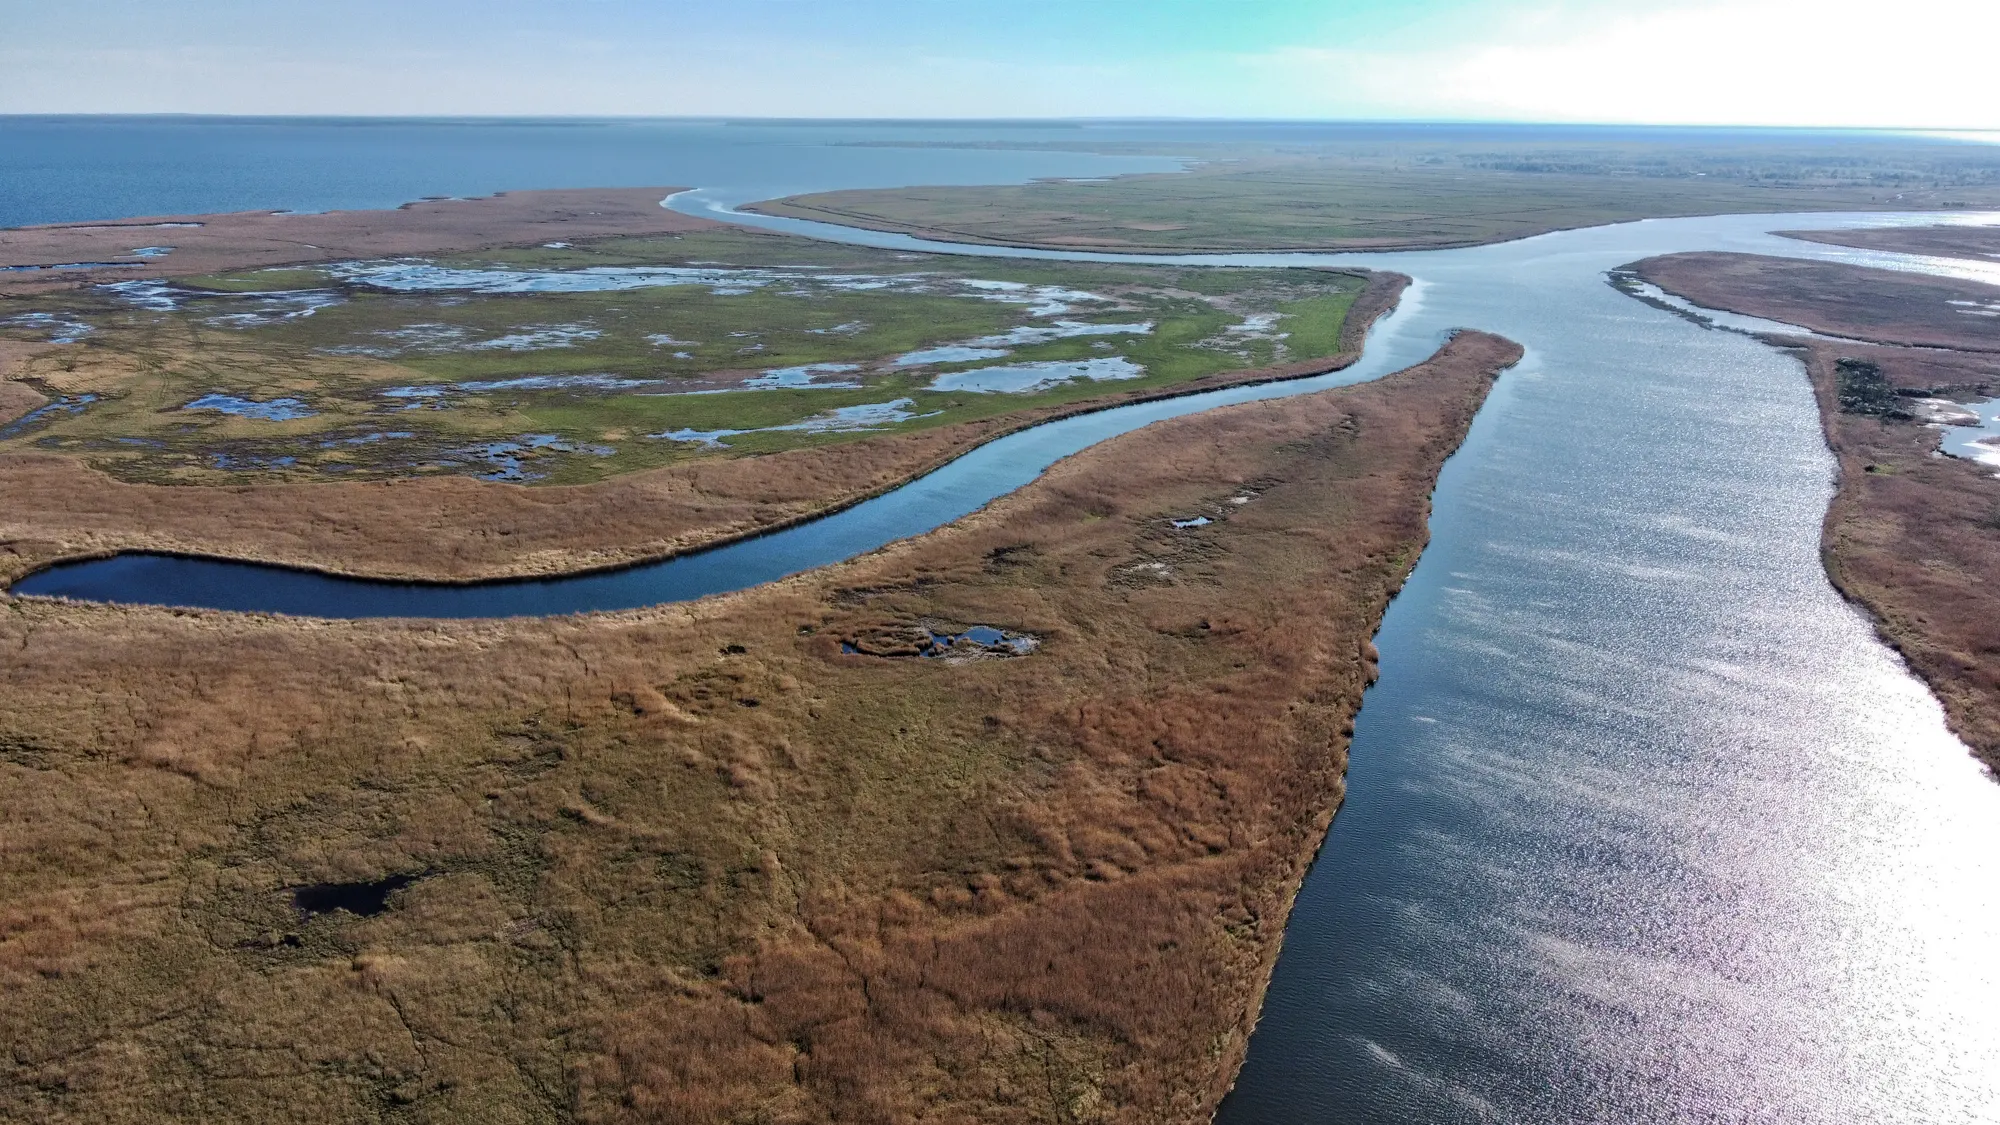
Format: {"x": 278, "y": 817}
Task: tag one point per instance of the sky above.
{"x": 1908, "y": 64}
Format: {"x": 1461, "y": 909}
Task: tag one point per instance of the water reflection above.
{"x": 1643, "y": 822}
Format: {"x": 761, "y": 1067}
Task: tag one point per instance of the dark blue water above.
{"x": 67, "y": 169}
{"x": 1643, "y": 822}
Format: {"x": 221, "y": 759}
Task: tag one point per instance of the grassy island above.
{"x": 1388, "y": 188}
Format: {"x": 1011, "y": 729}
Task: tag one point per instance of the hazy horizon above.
{"x": 1692, "y": 63}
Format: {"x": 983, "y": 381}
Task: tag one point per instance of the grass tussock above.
{"x": 698, "y": 864}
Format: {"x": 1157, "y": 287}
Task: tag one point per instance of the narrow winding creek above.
{"x": 1643, "y": 824}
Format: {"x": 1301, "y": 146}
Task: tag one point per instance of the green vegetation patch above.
{"x": 1864, "y": 389}
{"x": 316, "y": 374}
{"x": 260, "y": 281}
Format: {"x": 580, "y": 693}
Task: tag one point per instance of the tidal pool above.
{"x": 269, "y": 410}
{"x": 841, "y": 419}
{"x": 46, "y": 413}
{"x": 1971, "y": 430}
{"x": 1023, "y": 378}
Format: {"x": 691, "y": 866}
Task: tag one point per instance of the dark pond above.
{"x": 364, "y": 899}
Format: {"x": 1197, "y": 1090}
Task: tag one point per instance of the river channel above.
{"x": 1643, "y": 823}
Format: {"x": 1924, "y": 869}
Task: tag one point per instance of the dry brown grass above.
{"x": 695, "y": 864}
{"x": 458, "y": 529}
{"x": 253, "y": 239}
{"x": 1882, "y": 306}
{"x": 1981, "y": 244}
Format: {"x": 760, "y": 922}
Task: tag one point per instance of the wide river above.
{"x": 1643, "y": 822}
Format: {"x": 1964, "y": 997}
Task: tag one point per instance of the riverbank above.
{"x": 704, "y": 861}
{"x": 1910, "y": 534}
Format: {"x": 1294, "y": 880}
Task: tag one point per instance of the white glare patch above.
{"x": 1001, "y": 344}
{"x": 421, "y": 277}
{"x": 1060, "y": 330}
{"x": 519, "y": 383}
{"x": 1042, "y": 300}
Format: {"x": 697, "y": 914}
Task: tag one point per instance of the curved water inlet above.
{"x": 953, "y": 490}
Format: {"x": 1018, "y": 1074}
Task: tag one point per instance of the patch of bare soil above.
{"x": 699, "y": 863}
{"x": 455, "y": 529}
{"x": 253, "y": 239}
{"x": 1911, "y": 535}
{"x": 1980, "y": 244}
{"x": 1882, "y": 306}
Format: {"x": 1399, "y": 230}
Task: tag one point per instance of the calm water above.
{"x": 1643, "y": 823}
{"x": 66, "y": 169}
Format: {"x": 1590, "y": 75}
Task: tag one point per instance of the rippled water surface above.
{"x": 1643, "y": 823}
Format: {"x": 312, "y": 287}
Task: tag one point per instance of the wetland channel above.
{"x": 1643, "y": 823}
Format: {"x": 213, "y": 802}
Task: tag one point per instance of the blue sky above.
{"x": 1916, "y": 63}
